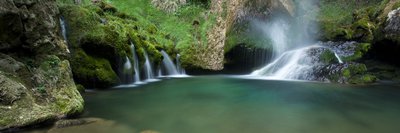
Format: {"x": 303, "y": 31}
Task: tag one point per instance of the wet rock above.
{"x": 392, "y": 27}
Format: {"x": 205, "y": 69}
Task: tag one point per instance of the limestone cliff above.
{"x": 35, "y": 79}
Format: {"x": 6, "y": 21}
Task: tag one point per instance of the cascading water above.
{"x": 170, "y": 67}
{"x": 287, "y": 34}
{"x": 63, "y": 29}
{"x": 178, "y": 65}
{"x": 127, "y": 64}
{"x": 135, "y": 63}
{"x": 293, "y": 64}
{"x": 338, "y": 58}
{"x": 148, "y": 70}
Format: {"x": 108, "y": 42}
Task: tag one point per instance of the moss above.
{"x": 353, "y": 70}
{"x": 80, "y": 88}
{"x": 396, "y": 5}
{"x": 353, "y": 73}
{"x": 363, "y": 30}
{"x": 79, "y": 22}
{"x": 333, "y": 32}
{"x": 328, "y": 57}
{"x": 93, "y": 72}
{"x": 362, "y": 79}
{"x": 360, "y": 50}
{"x": 346, "y": 73}
{"x": 152, "y": 29}
{"x": 106, "y": 7}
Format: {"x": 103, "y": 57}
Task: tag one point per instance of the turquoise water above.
{"x": 232, "y": 105}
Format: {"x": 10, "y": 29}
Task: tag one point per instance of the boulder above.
{"x": 11, "y": 26}
{"x": 36, "y": 82}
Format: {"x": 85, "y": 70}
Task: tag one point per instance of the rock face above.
{"x": 336, "y": 62}
{"x": 387, "y": 43}
{"x": 35, "y": 80}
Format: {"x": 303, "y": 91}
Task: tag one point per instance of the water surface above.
{"x": 232, "y": 105}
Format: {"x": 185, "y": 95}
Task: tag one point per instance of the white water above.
{"x": 127, "y": 64}
{"x": 278, "y": 33}
{"x": 135, "y": 64}
{"x": 64, "y": 32}
{"x": 170, "y": 67}
{"x": 178, "y": 65}
{"x": 287, "y": 34}
{"x": 148, "y": 69}
{"x": 338, "y": 58}
{"x": 159, "y": 73}
{"x": 63, "y": 29}
{"x": 290, "y": 65}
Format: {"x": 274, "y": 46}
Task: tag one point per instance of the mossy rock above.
{"x": 331, "y": 32}
{"x": 80, "y": 88}
{"x": 106, "y": 42}
{"x": 360, "y": 50}
{"x": 80, "y": 21}
{"x": 349, "y": 73}
{"x": 93, "y": 72}
{"x": 363, "y": 79}
{"x": 363, "y": 30}
{"x": 328, "y": 57}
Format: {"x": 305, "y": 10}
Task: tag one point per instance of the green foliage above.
{"x": 41, "y": 89}
{"x": 348, "y": 19}
{"x": 359, "y": 52}
{"x": 93, "y": 71}
{"x": 80, "y": 88}
{"x": 328, "y": 57}
{"x": 362, "y": 79}
{"x": 182, "y": 30}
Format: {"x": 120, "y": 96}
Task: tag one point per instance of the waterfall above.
{"x": 128, "y": 64}
{"x": 64, "y": 32}
{"x": 178, "y": 65}
{"x": 292, "y": 64}
{"x": 338, "y": 58}
{"x": 169, "y": 65}
{"x": 63, "y": 29}
{"x": 148, "y": 70}
{"x": 278, "y": 33}
{"x": 290, "y": 40}
{"x": 159, "y": 73}
{"x": 135, "y": 63}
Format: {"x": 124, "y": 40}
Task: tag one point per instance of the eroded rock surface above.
{"x": 36, "y": 82}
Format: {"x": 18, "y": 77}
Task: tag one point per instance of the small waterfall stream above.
{"x": 135, "y": 64}
{"x": 171, "y": 70}
{"x": 178, "y": 65}
{"x": 338, "y": 58}
{"x": 63, "y": 29}
{"x": 170, "y": 67}
{"x": 148, "y": 69}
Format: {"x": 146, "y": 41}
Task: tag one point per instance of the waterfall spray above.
{"x": 290, "y": 40}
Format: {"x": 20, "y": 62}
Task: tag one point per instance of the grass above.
{"x": 341, "y": 11}
{"x": 177, "y": 25}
